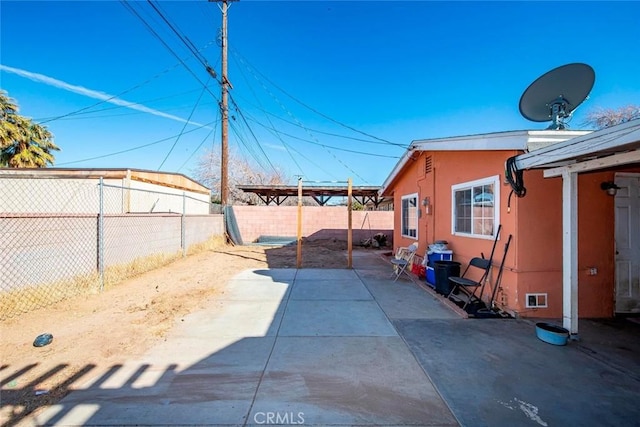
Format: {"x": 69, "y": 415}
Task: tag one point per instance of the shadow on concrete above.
{"x": 281, "y": 346}
{"x": 346, "y": 347}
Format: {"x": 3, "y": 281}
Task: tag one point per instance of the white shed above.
{"x": 78, "y": 191}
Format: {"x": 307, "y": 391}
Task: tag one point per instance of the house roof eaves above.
{"x": 601, "y": 143}
{"x": 508, "y": 140}
{"x": 395, "y": 171}
{"x": 497, "y": 141}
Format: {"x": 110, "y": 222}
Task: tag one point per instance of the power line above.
{"x": 157, "y": 36}
{"x": 324, "y": 145}
{"x": 251, "y": 131}
{"x": 318, "y": 143}
{"x": 134, "y": 148}
{"x": 129, "y": 105}
{"x": 311, "y": 108}
{"x": 270, "y": 122}
{"x": 243, "y": 135}
{"x": 241, "y": 139}
{"x": 212, "y": 131}
{"x": 47, "y": 120}
{"x": 404, "y": 146}
{"x": 281, "y": 106}
{"x": 184, "y": 40}
{"x": 337, "y": 159}
{"x": 314, "y": 163}
{"x": 183, "y": 128}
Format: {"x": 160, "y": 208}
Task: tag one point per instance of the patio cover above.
{"x": 615, "y": 146}
{"x": 279, "y": 193}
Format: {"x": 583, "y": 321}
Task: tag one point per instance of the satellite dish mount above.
{"x": 558, "y": 111}
{"x": 556, "y": 94}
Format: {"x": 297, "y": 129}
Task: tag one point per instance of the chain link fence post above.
{"x": 68, "y": 234}
{"x": 101, "y": 234}
{"x": 183, "y": 231}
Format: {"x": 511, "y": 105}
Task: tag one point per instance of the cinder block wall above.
{"x": 318, "y": 222}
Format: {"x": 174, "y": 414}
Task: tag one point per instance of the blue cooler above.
{"x": 433, "y": 256}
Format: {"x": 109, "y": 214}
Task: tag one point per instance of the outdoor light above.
{"x": 426, "y": 202}
{"x": 610, "y": 187}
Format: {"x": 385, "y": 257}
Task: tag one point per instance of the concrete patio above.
{"x": 351, "y": 347}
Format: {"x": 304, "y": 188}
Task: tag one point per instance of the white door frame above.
{"x": 636, "y": 217}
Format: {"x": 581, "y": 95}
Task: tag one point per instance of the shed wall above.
{"x": 82, "y": 196}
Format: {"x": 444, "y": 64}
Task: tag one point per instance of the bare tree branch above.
{"x": 241, "y": 172}
{"x": 606, "y": 117}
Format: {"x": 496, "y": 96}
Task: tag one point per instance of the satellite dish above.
{"x": 554, "y": 95}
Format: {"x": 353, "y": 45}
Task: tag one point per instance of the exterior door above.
{"x": 627, "y": 217}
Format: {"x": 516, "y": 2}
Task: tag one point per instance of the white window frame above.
{"x": 402, "y": 216}
{"x": 537, "y": 297}
{"x": 495, "y": 180}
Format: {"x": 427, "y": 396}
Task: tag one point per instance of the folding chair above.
{"x": 403, "y": 259}
{"x": 477, "y": 267}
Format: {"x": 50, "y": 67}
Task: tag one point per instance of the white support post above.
{"x": 570, "y": 251}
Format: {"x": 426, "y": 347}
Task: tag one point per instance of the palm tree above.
{"x": 23, "y": 143}
{"x": 8, "y": 129}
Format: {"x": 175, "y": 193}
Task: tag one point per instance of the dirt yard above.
{"x": 124, "y": 321}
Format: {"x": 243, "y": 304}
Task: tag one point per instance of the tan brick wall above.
{"x": 318, "y": 222}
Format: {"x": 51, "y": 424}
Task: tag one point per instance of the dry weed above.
{"x": 17, "y": 301}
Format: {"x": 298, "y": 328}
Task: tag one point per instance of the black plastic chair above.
{"x": 477, "y": 267}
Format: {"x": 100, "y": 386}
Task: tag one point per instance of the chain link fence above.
{"x": 65, "y": 237}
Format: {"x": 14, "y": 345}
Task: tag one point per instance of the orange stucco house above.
{"x": 566, "y": 258}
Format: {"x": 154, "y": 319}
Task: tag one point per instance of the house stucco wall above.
{"x": 318, "y": 222}
{"x": 534, "y": 260}
{"x": 449, "y": 168}
{"x": 540, "y": 229}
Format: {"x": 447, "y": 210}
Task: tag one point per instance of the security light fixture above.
{"x": 610, "y": 187}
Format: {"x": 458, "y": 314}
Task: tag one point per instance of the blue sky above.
{"x": 377, "y": 74}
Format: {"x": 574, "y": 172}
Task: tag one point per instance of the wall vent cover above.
{"x": 427, "y": 164}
